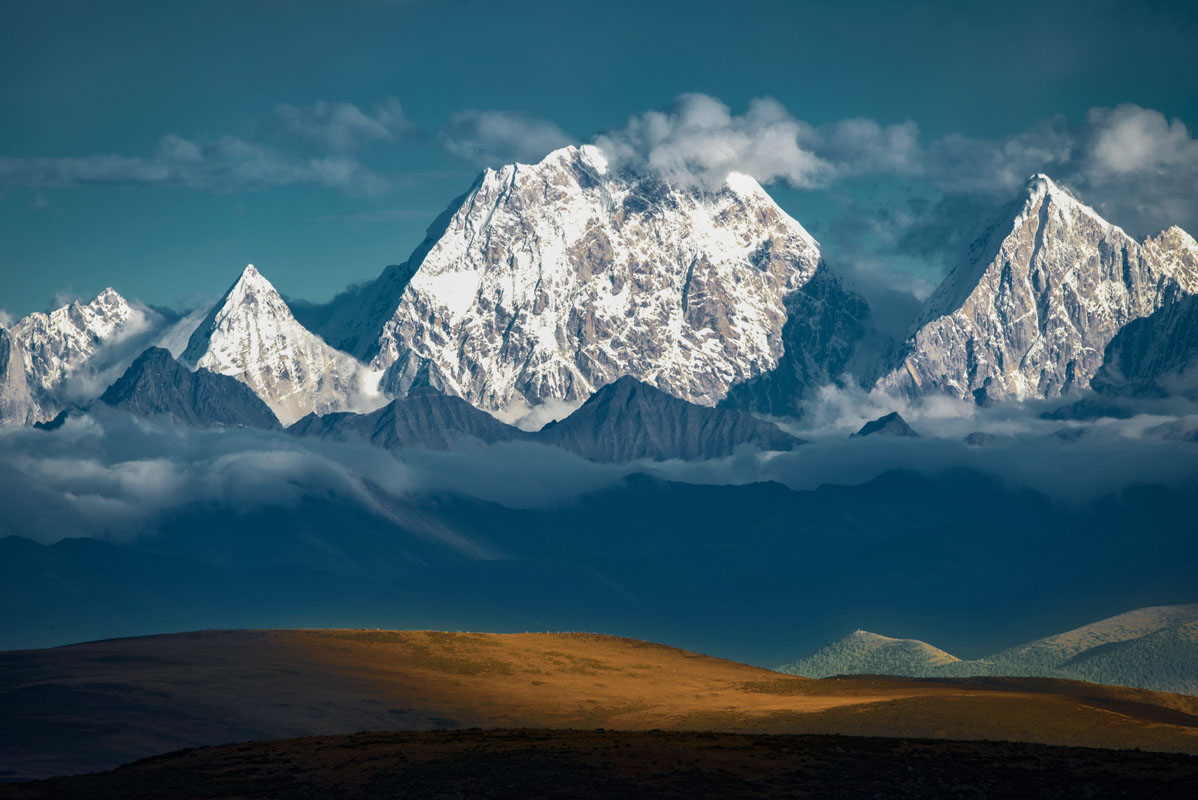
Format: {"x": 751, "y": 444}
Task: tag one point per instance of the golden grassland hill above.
{"x": 94, "y": 706}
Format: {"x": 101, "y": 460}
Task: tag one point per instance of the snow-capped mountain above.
{"x": 252, "y": 335}
{"x": 73, "y": 352}
{"x": 554, "y": 279}
{"x": 1029, "y": 312}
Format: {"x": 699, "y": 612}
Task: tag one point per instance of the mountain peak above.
{"x": 1028, "y": 312}
{"x": 891, "y": 424}
{"x": 251, "y": 334}
{"x": 552, "y": 280}
{"x": 58, "y": 346}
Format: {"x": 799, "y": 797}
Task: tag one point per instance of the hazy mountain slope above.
{"x": 828, "y": 335}
{"x": 1155, "y": 356}
{"x": 628, "y": 419}
{"x": 84, "y": 589}
{"x": 623, "y": 421}
{"x": 251, "y": 335}
{"x": 1029, "y": 312}
{"x": 156, "y": 384}
{"x": 427, "y": 420}
{"x": 724, "y": 569}
{"x": 553, "y": 279}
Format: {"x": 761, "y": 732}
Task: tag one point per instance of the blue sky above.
{"x": 159, "y": 147}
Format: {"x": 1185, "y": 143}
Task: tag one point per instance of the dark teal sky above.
{"x": 89, "y": 90}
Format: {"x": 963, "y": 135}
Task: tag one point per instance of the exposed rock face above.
{"x": 59, "y": 347}
{"x": 353, "y": 319}
{"x": 426, "y": 420}
{"x": 251, "y": 335}
{"x": 1029, "y": 312}
{"x": 890, "y": 425}
{"x": 157, "y": 385}
{"x": 554, "y": 279}
{"x": 1154, "y": 356}
{"x": 828, "y": 335}
{"x": 16, "y": 405}
{"x": 628, "y": 420}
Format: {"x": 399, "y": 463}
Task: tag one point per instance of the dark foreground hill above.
{"x": 523, "y": 763}
{"x": 93, "y": 706}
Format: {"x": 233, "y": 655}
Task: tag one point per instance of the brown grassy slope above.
{"x": 93, "y": 706}
{"x": 513, "y": 763}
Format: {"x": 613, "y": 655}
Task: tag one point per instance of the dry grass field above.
{"x": 93, "y": 706}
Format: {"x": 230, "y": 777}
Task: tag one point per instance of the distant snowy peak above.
{"x": 251, "y": 335}
{"x": 61, "y": 345}
{"x": 553, "y": 279}
{"x": 1028, "y": 313}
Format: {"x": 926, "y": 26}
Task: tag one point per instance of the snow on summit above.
{"x": 556, "y": 278}
{"x": 1044, "y": 290}
{"x": 252, "y": 335}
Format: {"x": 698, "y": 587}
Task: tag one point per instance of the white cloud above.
{"x": 343, "y": 127}
{"x": 227, "y": 163}
{"x": 1133, "y": 140}
{"x": 699, "y": 139}
{"x": 493, "y": 138}
{"x": 6, "y": 319}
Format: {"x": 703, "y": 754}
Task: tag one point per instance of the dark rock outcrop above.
{"x": 157, "y": 385}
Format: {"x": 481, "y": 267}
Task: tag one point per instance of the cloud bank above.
{"x": 109, "y": 475}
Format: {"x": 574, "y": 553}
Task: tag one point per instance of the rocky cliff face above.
{"x": 554, "y": 279}
{"x": 16, "y": 405}
{"x": 1155, "y": 356}
{"x": 157, "y": 385}
{"x": 1029, "y": 312}
{"x": 60, "y": 348}
{"x": 251, "y": 335}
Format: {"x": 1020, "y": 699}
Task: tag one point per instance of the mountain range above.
{"x": 546, "y": 282}
{"x": 1150, "y": 648}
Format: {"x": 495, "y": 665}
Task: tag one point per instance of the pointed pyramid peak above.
{"x": 251, "y": 284}
{"x": 251, "y": 275}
